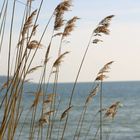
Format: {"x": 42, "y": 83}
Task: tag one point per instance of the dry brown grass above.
{"x": 13, "y": 88}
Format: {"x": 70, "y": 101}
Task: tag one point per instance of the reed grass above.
{"x": 21, "y": 66}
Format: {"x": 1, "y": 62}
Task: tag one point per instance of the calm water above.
{"x": 125, "y": 126}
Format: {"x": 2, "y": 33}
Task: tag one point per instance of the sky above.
{"x": 122, "y": 45}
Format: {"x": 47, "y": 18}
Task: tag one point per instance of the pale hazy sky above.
{"x": 121, "y": 46}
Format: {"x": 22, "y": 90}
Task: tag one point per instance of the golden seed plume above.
{"x": 103, "y": 26}
{"x": 47, "y": 54}
{"x": 92, "y": 94}
{"x": 28, "y": 23}
{"x": 59, "y": 12}
{"x": 37, "y": 97}
{"x": 102, "y": 29}
{"x": 5, "y": 85}
{"x": 34, "y": 44}
{"x": 70, "y": 26}
{"x": 112, "y": 110}
{"x": 65, "y": 113}
{"x": 106, "y": 67}
{"x": 35, "y": 29}
{"x": 95, "y": 41}
{"x": 43, "y": 120}
{"x": 33, "y": 69}
{"x": 51, "y": 96}
{"x": 59, "y": 59}
{"x": 50, "y": 112}
{"x": 101, "y": 74}
{"x": 100, "y": 77}
{"x": 106, "y": 20}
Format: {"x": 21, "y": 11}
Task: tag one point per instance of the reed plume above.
{"x": 36, "y": 100}
{"x": 33, "y": 69}
{"x": 70, "y": 26}
{"x": 59, "y": 12}
{"x": 47, "y": 54}
{"x": 45, "y": 117}
{"x": 59, "y": 60}
{"x": 100, "y": 77}
{"x": 103, "y": 25}
{"x": 64, "y": 114}
{"x": 5, "y": 85}
{"x": 34, "y": 29}
{"x": 51, "y": 96}
{"x": 106, "y": 20}
{"x": 92, "y": 94}
{"x": 112, "y": 110}
{"x": 106, "y": 67}
{"x": 34, "y": 44}
{"x": 95, "y": 41}
{"x": 101, "y": 74}
{"x": 28, "y": 23}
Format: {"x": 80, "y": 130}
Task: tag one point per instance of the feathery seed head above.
{"x": 28, "y": 23}
{"x": 59, "y": 12}
{"x": 59, "y": 59}
{"x": 64, "y": 114}
{"x": 105, "y": 68}
{"x": 95, "y": 41}
{"x": 103, "y": 26}
{"x": 112, "y": 110}
{"x": 34, "y": 44}
{"x": 70, "y": 26}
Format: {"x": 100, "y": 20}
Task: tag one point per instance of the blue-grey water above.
{"x": 125, "y": 125}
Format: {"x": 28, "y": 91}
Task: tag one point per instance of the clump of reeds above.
{"x": 13, "y": 88}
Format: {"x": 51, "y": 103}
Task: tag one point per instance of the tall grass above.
{"x": 21, "y": 66}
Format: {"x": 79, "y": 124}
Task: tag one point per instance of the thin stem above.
{"x": 101, "y": 115}
{"x": 10, "y": 40}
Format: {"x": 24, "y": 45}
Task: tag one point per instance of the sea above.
{"x": 124, "y": 126}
